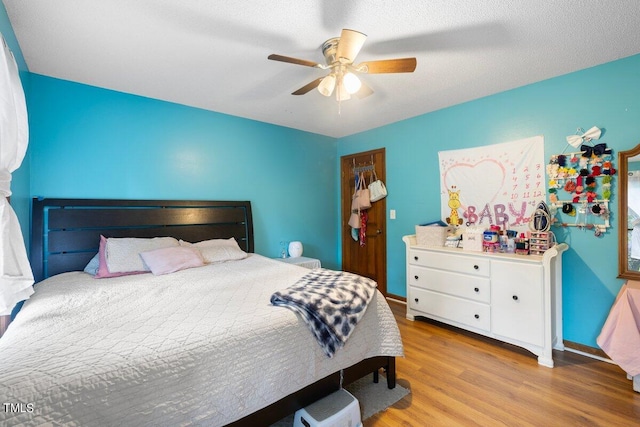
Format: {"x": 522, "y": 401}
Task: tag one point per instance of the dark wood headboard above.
{"x": 65, "y": 233}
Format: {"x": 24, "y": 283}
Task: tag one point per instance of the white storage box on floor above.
{"x": 339, "y": 409}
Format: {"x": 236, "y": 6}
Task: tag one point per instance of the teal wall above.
{"x": 607, "y": 96}
{"x": 90, "y": 142}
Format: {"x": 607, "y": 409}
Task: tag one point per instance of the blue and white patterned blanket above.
{"x": 330, "y": 302}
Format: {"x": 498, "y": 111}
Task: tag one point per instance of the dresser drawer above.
{"x": 476, "y": 266}
{"x": 470, "y": 313}
{"x": 462, "y": 285}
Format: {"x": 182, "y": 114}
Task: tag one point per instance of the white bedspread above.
{"x": 201, "y": 346}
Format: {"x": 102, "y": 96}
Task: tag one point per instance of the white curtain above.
{"x": 16, "y": 277}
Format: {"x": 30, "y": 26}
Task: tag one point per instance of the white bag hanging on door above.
{"x": 377, "y": 189}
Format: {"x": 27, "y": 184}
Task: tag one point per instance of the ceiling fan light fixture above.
{"x": 327, "y": 85}
{"x": 351, "y": 82}
{"x": 339, "y": 54}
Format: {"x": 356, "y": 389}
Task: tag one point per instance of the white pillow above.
{"x": 170, "y": 260}
{"x": 218, "y": 250}
{"x": 123, "y": 254}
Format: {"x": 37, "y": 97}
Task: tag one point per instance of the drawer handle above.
{"x": 476, "y": 289}
{"x": 415, "y": 258}
{"x": 476, "y": 267}
{"x": 416, "y": 299}
{"x": 515, "y": 297}
{"x": 477, "y": 316}
{"x": 416, "y": 277}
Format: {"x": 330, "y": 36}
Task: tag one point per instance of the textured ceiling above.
{"x": 213, "y": 54}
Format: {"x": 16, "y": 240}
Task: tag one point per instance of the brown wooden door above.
{"x": 369, "y": 260}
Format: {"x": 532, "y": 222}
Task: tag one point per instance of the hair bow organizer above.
{"x": 580, "y": 183}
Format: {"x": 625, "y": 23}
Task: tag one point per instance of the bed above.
{"x": 198, "y": 346}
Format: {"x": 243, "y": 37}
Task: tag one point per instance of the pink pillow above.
{"x": 172, "y": 259}
{"x": 103, "y": 271}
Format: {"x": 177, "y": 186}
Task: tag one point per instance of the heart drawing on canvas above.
{"x": 479, "y": 183}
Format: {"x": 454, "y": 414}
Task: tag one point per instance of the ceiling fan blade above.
{"x": 349, "y": 45}
{"x": 364, "y": 91}
{"x": 308, "y": 87}
{"x": 400, "y": 65}
{"x": 291, "y": 60}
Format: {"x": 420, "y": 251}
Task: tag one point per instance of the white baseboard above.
{"x": 396, "y": 300}
{"x": 593, "y": 356}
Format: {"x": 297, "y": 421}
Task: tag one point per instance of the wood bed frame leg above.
{"x": 391, "y": 373}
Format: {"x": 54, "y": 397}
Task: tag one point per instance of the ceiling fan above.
{"x": 339, "y": 53}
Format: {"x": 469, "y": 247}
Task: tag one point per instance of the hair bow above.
{"x": 597, "y": 150}
{"x": 576, "y": 140}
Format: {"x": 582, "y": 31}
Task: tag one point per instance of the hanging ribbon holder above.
{"x": 580, "y": 183}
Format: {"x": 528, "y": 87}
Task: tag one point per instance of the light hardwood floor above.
{"x": 458, "y": 378}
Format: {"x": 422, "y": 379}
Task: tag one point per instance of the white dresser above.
{"x": 513, "y": 298}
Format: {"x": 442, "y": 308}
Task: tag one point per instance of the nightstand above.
{"x": 302, "y": 261}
